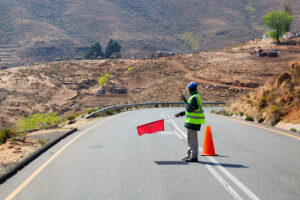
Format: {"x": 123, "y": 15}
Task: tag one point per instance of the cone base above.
{"x": 208, "y": 154}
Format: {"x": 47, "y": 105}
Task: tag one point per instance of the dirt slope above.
{"x": 71, "y": 86}
{"x": 278, "y": 100}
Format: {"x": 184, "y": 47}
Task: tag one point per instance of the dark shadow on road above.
{"x": 223, "y": 164}
{"x": 170, "y": 163}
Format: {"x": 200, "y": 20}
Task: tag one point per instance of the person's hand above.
{"x": 176, "y": 115}
{"x": 183, "y": 98}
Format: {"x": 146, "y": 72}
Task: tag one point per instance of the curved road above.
{"x": 108, "y": 160}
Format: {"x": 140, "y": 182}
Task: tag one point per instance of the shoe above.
{"x": 187, "y": 157}
{"x": 191, "y": 160}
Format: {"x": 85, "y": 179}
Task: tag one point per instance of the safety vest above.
{"x": 197, "y": 116}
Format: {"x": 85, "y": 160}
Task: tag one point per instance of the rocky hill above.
{"x": 35, "y": 31}
{"x": 67, "y": 87}
{"x": 278, "y": 100}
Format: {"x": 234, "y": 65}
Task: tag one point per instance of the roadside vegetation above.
{"x": 38, "y": 121}
{"x": 7, "y": 133}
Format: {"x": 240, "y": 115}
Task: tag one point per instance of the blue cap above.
{"x": 192, "y": 85}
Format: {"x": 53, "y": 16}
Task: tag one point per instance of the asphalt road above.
{"x": 108, "y": 160}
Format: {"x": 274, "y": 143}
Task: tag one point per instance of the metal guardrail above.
{"x": 155, "y": 104}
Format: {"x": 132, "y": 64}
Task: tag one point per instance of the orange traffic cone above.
{"x": 208, "y": 145}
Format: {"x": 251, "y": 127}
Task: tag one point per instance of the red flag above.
{"x": 152, "y": 127}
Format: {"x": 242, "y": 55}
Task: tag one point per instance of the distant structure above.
{"x": 118, "y": 90}
{"x": 265, "y": 36}
{"x": 112, "y": 89}
{"x": 268, "y": 53}
{"x": 101, "y": 92}
{"x": 158, "y": 54}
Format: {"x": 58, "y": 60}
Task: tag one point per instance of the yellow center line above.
{"x": 44, "y": 165}
{"x": 269, "y": 129}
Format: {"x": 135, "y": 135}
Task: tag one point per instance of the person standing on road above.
{"x": 194, "y": 117}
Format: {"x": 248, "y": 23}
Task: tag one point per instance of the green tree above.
{"x": 113, "y": 49}
{"x": 278, "y": 21}
{"x": 94, "y": 52}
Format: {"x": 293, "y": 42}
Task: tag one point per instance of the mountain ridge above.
{"x": 63, "y": 29}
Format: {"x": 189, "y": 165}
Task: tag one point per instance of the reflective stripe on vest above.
{"x": 197, "y": 116}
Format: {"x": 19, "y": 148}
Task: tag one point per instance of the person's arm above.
{"x": 180, "y": 114}
{"x": 189, "y": 107}
{"x": 192, "y": 106}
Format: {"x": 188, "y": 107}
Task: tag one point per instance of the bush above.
{"x": 274, "y": 109}
{"x": 293, "y": 130}
{"x": 249, "y": 118}
{"x": 7, "y": 133}
{"x": 129, "y": 69}
{"x": 91, "y": 110}
{"x": 213, "y": 112}
{"x": 102, "y": 80}
{"x": 107, "y": 75}
{"x": 262, "y": 103}
{"x": 71, "y": 117}
{"x": 37, "y": 121}
{"x": 241, "y": 114}
{"x": 223, "y": 112}
{"x": 42, "y": 142}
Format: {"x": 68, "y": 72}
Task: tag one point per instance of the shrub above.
{"x": 293, "y": 130}
{"x": 42, "y": 142}
{"x": 224, "y": 112}
{"x": 241, "y": 114}
{"x": 214, "y": 112}
{"x": 91, "y": 110}
{"x": 37, "y": 121}
{"x": 249, "y": 118}
{"x": 107, "y": 75}
{"x": 71, "y": 117}
{"x": 7, "y": 133}
{"x": 129, "y": 69}
{"x": 102, "y": 80}
{"x": 274, "y": 109}
{"x": 262, "y": 103}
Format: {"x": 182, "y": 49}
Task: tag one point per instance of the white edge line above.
{"x": 184, "y": 135}
{"x": 180, "y": 137}
{"x": 227, "y": 173}
{"x": 47, "y": 162}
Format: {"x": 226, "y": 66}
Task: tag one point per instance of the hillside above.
{"x": 67, "y": 87}
{"x": 277, "y": 100}
{"x": 35, "y": 31}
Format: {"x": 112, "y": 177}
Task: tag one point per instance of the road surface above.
{"x": 108, "y": 160}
